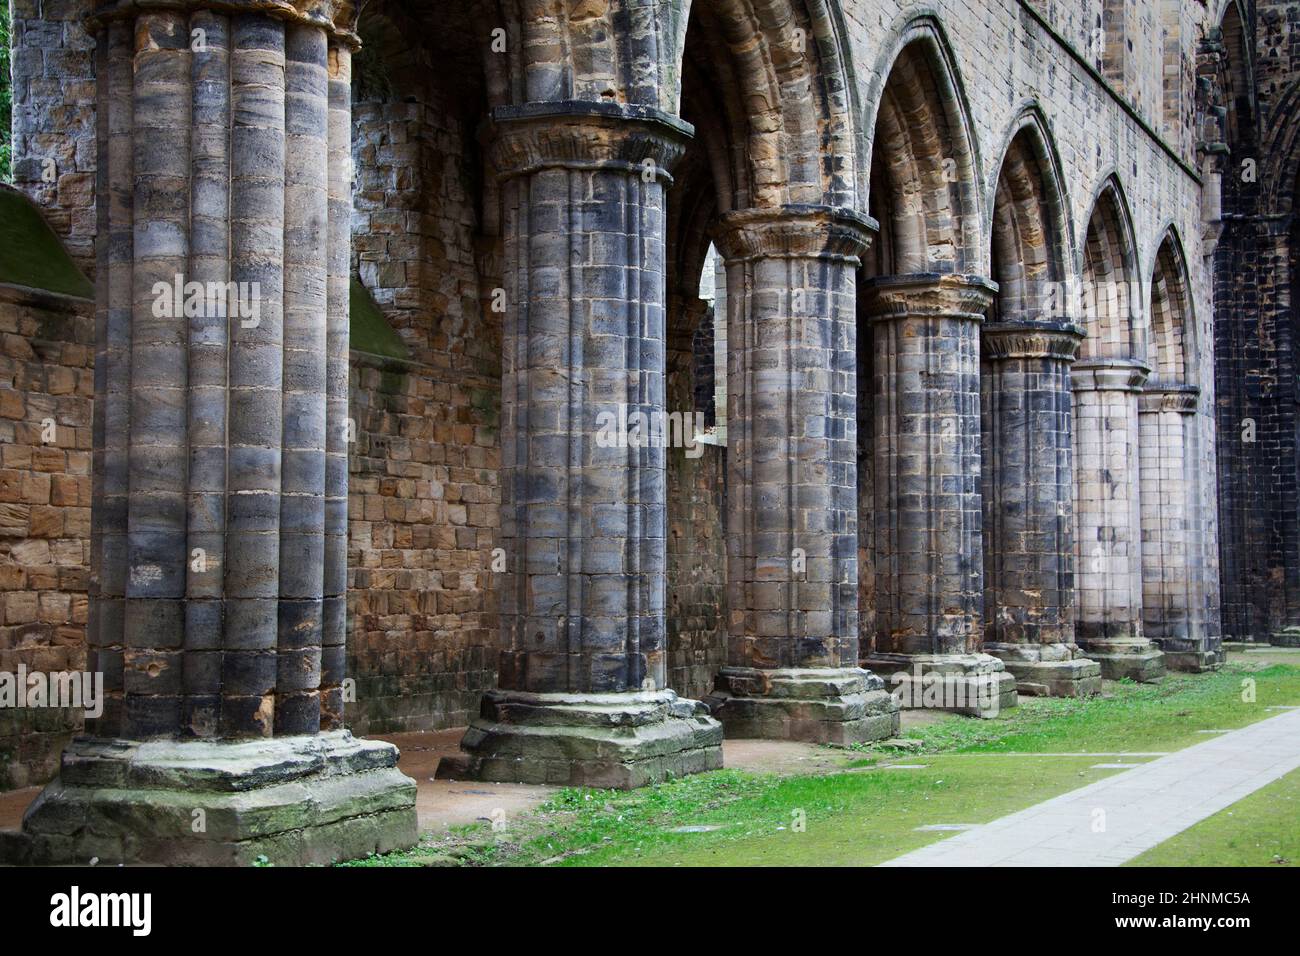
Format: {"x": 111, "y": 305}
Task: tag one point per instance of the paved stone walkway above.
{"x": 1116, "y": 819}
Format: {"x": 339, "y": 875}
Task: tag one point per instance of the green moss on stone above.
{"x": 31, "y": 254}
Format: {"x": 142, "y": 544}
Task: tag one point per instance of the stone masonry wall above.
{"x": 425, "y": 466}
{"x": 54, "y": 118}
{"x": 46, "y": 388}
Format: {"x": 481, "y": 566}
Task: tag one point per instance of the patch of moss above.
{"x": 31, "y": 254}
{"x": 370, "y": 331}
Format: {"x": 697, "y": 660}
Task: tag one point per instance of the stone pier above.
{"x": 792, "y": 536}
{"x": 1108, "y": 518}
{"x": 1173, "y": 600}
{"x": 220, "y": 456}
{"x": 1028, "y": 489}
{"x": 929, "y": 545}
{"x": 582, "y": 696}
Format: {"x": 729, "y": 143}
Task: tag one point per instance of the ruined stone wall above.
{"x": 425, "y": 482}
{"x": 46, "y": 388}
{"x": 54, "y": 118}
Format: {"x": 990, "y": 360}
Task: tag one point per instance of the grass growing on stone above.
{"x": 871, "y": 814}
{"x": 1262, "y": 829}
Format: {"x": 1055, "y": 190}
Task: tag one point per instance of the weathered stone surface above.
{"x": 617, "y": 741}
{"x": 823, "y": 705}
{"x": 295, "y": 800}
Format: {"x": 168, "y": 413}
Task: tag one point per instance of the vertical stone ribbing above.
{"x": 1028, "y": 492}
{"x": 111, "y": 484}
{"x": 1173, "y": 602}
{"x": 256, "y": 418}
{"x": 339, "y": 430}
{"x": 305, "y": 361}
{"x": 792, "y": 523}
{"x": 928, "y": 512}
{"x": 1108, "y": 518}
{"x": 584, "y": 510}
{"x": 221, "y": 434}
{"x": 216, "y": 346}
{"x": 209, "y": 262}
{"x": 156, "y": 523}
{"x": 583, "y": 436}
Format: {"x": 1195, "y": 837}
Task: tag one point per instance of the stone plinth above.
{"x": 616, "y": 741}
{"x": 824, "y": 705}
{"x": 302, "y": 800}
{"x": 975, "y": 684}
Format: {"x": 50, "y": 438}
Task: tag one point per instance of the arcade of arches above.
{"x": 907, "y": 341}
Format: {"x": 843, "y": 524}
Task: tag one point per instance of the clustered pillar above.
{"x": 1108, "y": 519}
{"x": 220, "y": 478}
{"x": 1174, "y": 606}
{"x": 928, "y": 511}
{"x": 582, "y": 696}
{"x": 1028, "y": 487}
{"x": 792, "y": 562}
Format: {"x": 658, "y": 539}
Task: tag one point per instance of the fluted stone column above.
{"x": 220, "y": 493}
{"x": 1108, "y": 519}
{"x": 792, "y": 574}
{"x": 1173, "y": 573}
{"x": 582, "y": 697}
{"x": 928, "y": 512}
{"x": 1028, "y": 490}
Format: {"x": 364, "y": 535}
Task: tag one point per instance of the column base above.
{"x": 1287, "y": 637}
{"x": 1049, "y": 670}
{"x": 616, "y": 741}
{"x": 1139, "y": 660}
{"x": 828, "y": 705}
{"x": 296, "y": 801}
{"x": 974, "y": 684}
{"x": 1192, "y": 655}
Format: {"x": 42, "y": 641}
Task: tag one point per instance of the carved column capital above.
{"x": 1182, "y": 399}
{"x": 578, "y": 135}
{"x": 930, "y": 294}
{"x": 1109, "y": 375}
{"x": 1028, "y": 340}
{"x": 796, "y": 231}
{"x": 336, "y": 17}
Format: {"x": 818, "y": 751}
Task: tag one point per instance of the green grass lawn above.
{"x": 1261, "y": 830}
{"x": 870, "y": 814}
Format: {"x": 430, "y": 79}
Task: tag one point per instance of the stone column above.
{"x": 582, "y": 697}
{"x": 1173, "y": 572}
{"x": 220, "y": 455}
{"x": 928, "y": 513}
{"x": 1028, "y": 490}
{"x": 792, "y": 536}
{"x": 1108, "y": 519}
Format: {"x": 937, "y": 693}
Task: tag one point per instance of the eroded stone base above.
{"x": 975, "y": 684}
{"x": 1140, "y": 661}
{"x": 1049, "y": 670}
{"x": 618, "y": 741}
{"x": 293, "y": 800}
{"x": 1287, "y": 637}
{"x": 818, "y": 705}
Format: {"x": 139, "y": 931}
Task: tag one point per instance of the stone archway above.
{"x": 773, "y": 186}
{"x": 1107, "y": 381}
{"x": 1176, "y": 611}
{"x": 925, "y": 307}
{"x": 1027, "y": 423}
